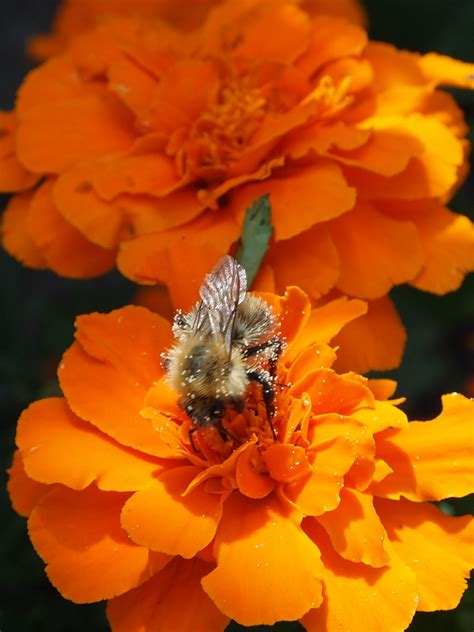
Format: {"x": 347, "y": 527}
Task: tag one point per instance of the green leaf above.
{"x": 256, "y": 232}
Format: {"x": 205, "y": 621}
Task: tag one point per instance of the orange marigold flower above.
{"x": 328, "y": 524}
{"x": 151, "y": 142}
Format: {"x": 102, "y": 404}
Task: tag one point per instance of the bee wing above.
{"x": 222, "y": 291}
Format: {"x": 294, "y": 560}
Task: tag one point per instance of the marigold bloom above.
{"x": 330, "y": 524}
{"x": 150, "y": 144}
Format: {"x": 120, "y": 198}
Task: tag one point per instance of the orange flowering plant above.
{"x": 330, "y": 523}
{"x": 142, "y": 144}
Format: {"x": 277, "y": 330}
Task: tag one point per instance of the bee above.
{"x": 225, "y": 342}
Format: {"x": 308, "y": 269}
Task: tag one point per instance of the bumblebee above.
{"x": 225, "y": 342}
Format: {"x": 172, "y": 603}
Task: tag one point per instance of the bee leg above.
{"x": 190, "y": 434}
{"x": 277, "y": 345}
{"x": 221, "y": 430}
{"x": 268, "y": 394}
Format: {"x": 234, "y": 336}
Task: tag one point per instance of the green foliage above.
{"x": 256, "y": 232}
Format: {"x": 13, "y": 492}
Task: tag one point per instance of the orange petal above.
{"x": 132, "y": 84}
{"x": 360, "y": 598}
{"x": 447, "y": 71}
{"x": 332, "y": 38}
{"x": 158, "y": 604}
{"x": 350, "y": 10}
{"x": 433, "y": 173}
{"x": 148, "y": 214}
{"x": 355, "y": 529}
{"x": 290, "y": 34}
{"x": 105, "y": 378}
{"x": 393, "y": 67}
{"x": 387, "y": 152}
{"x": 300, "y": 411}
{"x": 58, "y": 447}
{"x": 359, "y": 342}
{"x": 250, "y": 481}
{"x": 295, "y": 260}
{"x": 438, "y": 548}
{"x": 182, "y": 95}
{"x": 14, "y": 177}
{"x": 431, "y": 460}
{"x": 99, "y": 221}
{"x": 380, "y": 416}
{"x": 180, "y": 256}
{"x": 8, "y": 127}
{"x": 162, "y": 519}
{"x": 376, "y": 252}
{"x": 89, "y": 556}
{"x": 382, "y": 388}
{"x": 326, "y": 322}
{"x": 286, "y": 462}
{"x": 311, "y": 195}
{"x": 319, "y": 492}
{"x": 16, "y": 237}
{"x": 65, "y": 249}
{"x": 292, "y": 310}
{"x": 262, "y": 542}
{"x": 321, "y": 139}
{"x": 332, "y": 427}
{"x": 332, "y": 393}
{"x": 24, "y": 492}
{"x": 55, "y": 81}
{"x": 447, "y": 240}
{"x": 55, "y": 136}
{"x": 315, "y": 356}
{"x": 153, "y": 174}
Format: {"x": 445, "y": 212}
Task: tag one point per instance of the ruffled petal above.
{"x": 311, "y": 195}
{"x": 332, "y": 393}
{"x": 185, "y": 253}
{"x": 333, "y": 427}
{"x": 54, "y": 442}
{"x": 105, "y": 378}
{"x": 297, "y": 259}
{"x": 65, "y": 249}
{"x": 319, "y": 492}
{"x": 325, "y": 322}
{"x": 290, "y": 29}
{"x": 24, "y": 492}
{"x": 438, "y": 548}
{"x": 433, "y": 173}
{"x": 332, "y": 39}
{"x": 263, "y": 543}
{"x": 158, "y": 604}
{"x": 89, "y": 556}
{"x": 360, "y": 598}
{"x": 103, "y": 223}
{"x": 422, "y": 470}
{"x": 162, "y": 519}
{"x": 447, "y": 240}
{"x": 153, "y": 174}
{"x": 54, "y": 136}
{"x": 447, "y": 71}
{"x": 359, "y": 342}
{"x": 16, "y": 237}
{"x": 355, "y": 529}
{"x": 376, "y": 252}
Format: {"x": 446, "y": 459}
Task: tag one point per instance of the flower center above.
{"x": 219, "y": 135}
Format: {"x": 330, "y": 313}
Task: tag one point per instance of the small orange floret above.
{"x": 323, "y": 521}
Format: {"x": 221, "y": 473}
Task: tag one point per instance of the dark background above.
{"x": 37, "y": 311}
